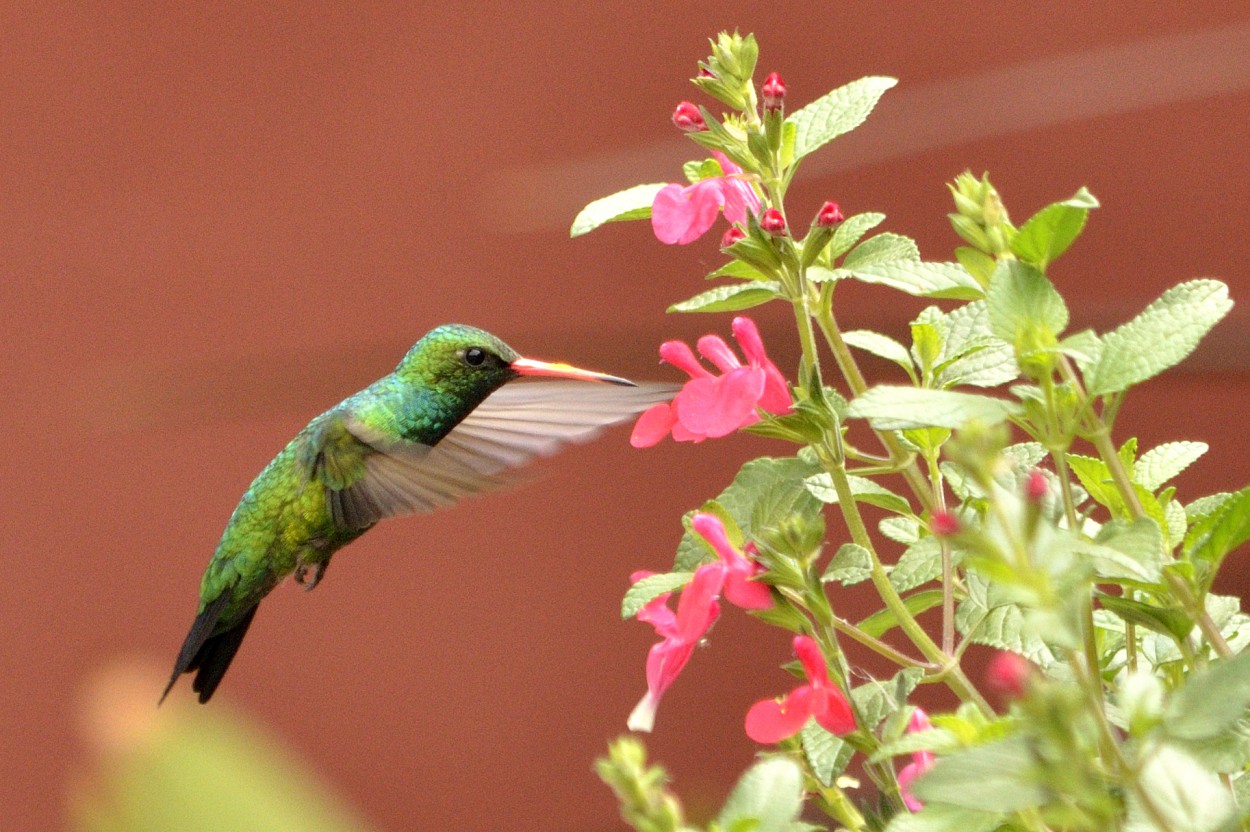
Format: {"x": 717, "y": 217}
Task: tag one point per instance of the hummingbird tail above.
{"x": 207, "y": 652}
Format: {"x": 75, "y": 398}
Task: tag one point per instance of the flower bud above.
{"x": 829, "y": 215}
{"x": 1036, "y": 487}
{"x": 773, "y": 91}
{"x": 688, "y": 118}
{"x": 1008, "y": 674}
{"x": 944, "y": 524}
{"x": 772, "y": 222}
{"x": 732, "y": 235}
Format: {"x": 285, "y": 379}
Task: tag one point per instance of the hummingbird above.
{"x": 444, "y": 425}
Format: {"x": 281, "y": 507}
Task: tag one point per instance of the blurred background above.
{"x": 216, "y": 220}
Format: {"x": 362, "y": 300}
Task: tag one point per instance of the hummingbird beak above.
{"x": 530, "y": 367}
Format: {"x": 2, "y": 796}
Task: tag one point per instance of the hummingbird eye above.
{"x": 474, "y": 356}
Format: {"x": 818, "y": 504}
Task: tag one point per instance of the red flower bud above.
{"x": 773, "y": 222}
{"x": 704, "y": 72}
{"x": 944, "y": 524}
{"x": 1008, "y": 674}
{"x": 732, "y": 235}
{"x": 829, "y": 215}
{"x": 1036, "y": 487}
{"x": 774, "y": 92}
{"x": 688, "y": 118}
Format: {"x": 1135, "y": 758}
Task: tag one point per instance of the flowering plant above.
{"x": 1009, "y": 511}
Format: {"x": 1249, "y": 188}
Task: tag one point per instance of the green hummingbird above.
{"x": 442, "y": 426}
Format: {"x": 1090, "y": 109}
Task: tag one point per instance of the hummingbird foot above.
{"x": 302, "y": 577}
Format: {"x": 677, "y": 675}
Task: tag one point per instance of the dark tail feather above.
{"x": 207, "y": 653}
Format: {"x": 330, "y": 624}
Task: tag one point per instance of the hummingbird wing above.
{"x": 513, "y": 426}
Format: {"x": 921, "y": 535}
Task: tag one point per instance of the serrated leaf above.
{"x": 986, "y": 366}
{"x": 899, "y": 408}
{"x": 730, "y": 298}
{"x": 1024, "y": 308}
{"x": 999, "y": 776}
{"x": 851, "y": 565}
{"x": 979, "y": 264}
{"x": 770, "y": 793}
{"x": 1211, "y": 537}
{"x": 919, "y": 564}
{"x": 630, "y": 204}
{"x": 1084, "y": 347}
{"x": 738, "y": 269}
{"x": 919, "y": 278}
{"x": 1169, "y": 622}
{"x": 765, "y": 491}
{"x": 882, "y": 346}
{"x": 863, "y": 490}
{"x": 883, "y": 248}
{"x": 905, "y": 530}
{"x": 836, "y": 113}
{"x": 875, "y": 700}
{"x": 1049, "y": 232}
{"x": 1160, "y": 337}
{"x": 1211, "y": 701}
{"x": 986, "y": 617}
{"x": 827, "y": 755}
{"x": 1183, "y": 795}
{"x": 850, "y": 231}
{"x": 650, "y": 588}
{"x": 1158, "y": 465}
{"x": 939, "y": 817}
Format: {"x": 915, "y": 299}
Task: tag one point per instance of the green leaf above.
{"x": 899, "y": 408}
{"x": 882, "y": 346}
{"x": 863, "y": 490}
{"x": 940, "y": 817}
{"x": 1183, "y": 795}
{"x": 630, "y": 204}
{"x": 1024, "y": 308}
{"x": 1211, "y": 701}
{"x": 850, "y": 231}
{"x": 875, "y": 700}
{"x": 827, "y": 754}
{"x": 1169, "y": 622}
{"x": 836, "y": 113}
{"x": 1158, "y": 465}
{"x": 919, "y": 278}
{"x": 905, "y": 530}
{"x": 763, "y": 494}
{"x": 730, "y": 298}
{"x": 770, "y": 793}
{"x": 1160, "y": 337}
{"x": 996, "y": 777}
{"x": 979, "y": 264}
{"x": 650, "y": 588}
{"x": 738, "y": 269}
{"x": 1213, "y": 536}
{"x": 884, "y": 620}
{"x": 919, "y": 564}
{"x": 1049, "y": 232}
{"x": 851, "y": 565}
{"x": 986, "y": 617}
{"x": 699, "y": 169}
{"x": 883, "y": 248}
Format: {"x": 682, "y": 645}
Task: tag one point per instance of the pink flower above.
{"x": 697, "y": 609}
{"x": 921, "y": 761}
{"x": 943, "y": 524}
{"x": 1036, "y": 487}
{"x": 770, "y": 721}
{"x": 738, "y": 568}
{"x": 829, "y": 215}
{"x": 711, "y": 406}
{"x": 1008, "y": 674}
{"x": 681, "y": 214}
{"x": 772, "y": 222}
{"x": 774, "y": 91}
{"x": 732, "y": 235}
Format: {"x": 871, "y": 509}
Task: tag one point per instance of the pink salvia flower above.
{"x": 943, "y": 524}
{"x": 711, "y": 406}
{"x": 829, "y": 215}
{"x": 732, "y": 235}
{"x": 773, "y": 222}
{"x": 680, "y": 632}
{"x": 771, "y": 721}
{"x": 774, "y": 91}
{"x": 739, "y": 569}
{"x": 1036, "y": 487}
{"x": 921, "y": 761}
{"x": 681, "y": 214}
{"x": 1008, "y": 674}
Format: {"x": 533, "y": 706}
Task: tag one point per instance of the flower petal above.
{"x": 679, "y": 354}
{"x": 714, "y": 349}
{"x": 652, "y": 426}
{"x": 718, "y": 407}
{"x": 642, "y": 718}
{"x": 770, "y": 721}
{"x": 812, "y": 660}
{"x": 834, "y": 712}
{"x": 697, "y": 608}
{"x": 906, "y": 776}
{"x": 681, "y": 215}
{"x": 746, "y": 593}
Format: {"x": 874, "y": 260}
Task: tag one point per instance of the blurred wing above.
{"x": 513, "y": 426}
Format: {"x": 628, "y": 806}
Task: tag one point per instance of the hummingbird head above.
{"x": 472, "y": 363}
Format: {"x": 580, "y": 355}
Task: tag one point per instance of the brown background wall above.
{"x": 215, "y": 222}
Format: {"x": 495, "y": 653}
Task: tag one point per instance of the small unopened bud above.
{"x": 772, "y": 222}
{"x": 829, "y": 215}
{"x": 944, "y": 524}
{"x": 688, "y": 118}
{"x": 704, "y": 72}
{"x": 1008, "y": 674}
{"x": 732, "y": 235}
{"x": 773, "y": 92}
{"x": 1036, "y": 487}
